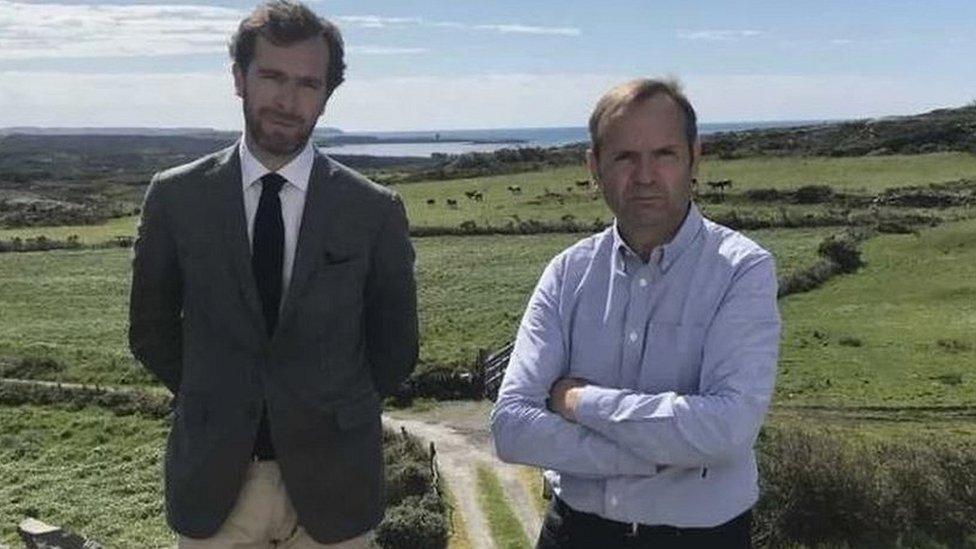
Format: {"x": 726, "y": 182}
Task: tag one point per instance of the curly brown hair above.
{"x": 284, "y": 22}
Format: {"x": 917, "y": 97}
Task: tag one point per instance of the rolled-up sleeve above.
{"x": 523, "y": 428}
{"x": 738, "y": 372}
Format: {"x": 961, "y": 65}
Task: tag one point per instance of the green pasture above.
{"x": 88, "y": 234}
{"x": 71, "y": 306}
{"x": 549, "y": 195}
{"x": 868, "y": 174}
{"x": 473, "y": 290}
{"x": 87, "y": 470}
{"x": 899, "y": 333}
{"x": 552, "y": 195}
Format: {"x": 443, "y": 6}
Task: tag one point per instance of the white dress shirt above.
{"x": 292, "y": 195}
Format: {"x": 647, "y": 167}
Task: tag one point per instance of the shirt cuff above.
{"x": 588, "y": 407}
{"x": 593, "y": 410}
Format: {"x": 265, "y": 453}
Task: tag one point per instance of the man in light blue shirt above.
{"x": 646, "y": 359}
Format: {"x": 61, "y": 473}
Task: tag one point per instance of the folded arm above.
{"x": 523, "y": 428}
{"x": 738, "y": 371}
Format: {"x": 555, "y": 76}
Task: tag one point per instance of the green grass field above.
{"x": 72, "y": 305}
{"x": 500, "y": 206}
{"x": 888, "y": 353}
{"x": 853, "y": 174}
{"x": 902, "y": 332}
{"x": 88, "y": 470}
{"x": 88, "y": 234}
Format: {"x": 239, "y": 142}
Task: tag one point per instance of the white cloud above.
{"x": 384, "y": 50}
{"x": 59, "y": 31}
{"x": 380, "y": 22}
{"x": 375, "y": 21}
{"x": 528, "y": 29}
{"x": 445, "y": 102}
{"x": 30, "y": 31}
{"x": 717, "y": 35}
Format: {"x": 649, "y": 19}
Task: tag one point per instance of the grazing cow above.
{"x": 720, "y": 185}
{"x": 515, "y": 189}
{"x": 431, "y": 201}
{"x": 451, "y": 203}
{"x": 478, "y": 197}
{"x": 583, "y": 183}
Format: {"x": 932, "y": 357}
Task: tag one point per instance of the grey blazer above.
{"x": 347, "y": 336}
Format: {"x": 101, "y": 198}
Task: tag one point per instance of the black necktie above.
{"x": 267, "y": 256}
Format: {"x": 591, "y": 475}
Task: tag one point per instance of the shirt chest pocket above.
{"x": 672, "y": 358}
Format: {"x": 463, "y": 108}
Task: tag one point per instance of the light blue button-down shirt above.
{"x": 680, "y": 353}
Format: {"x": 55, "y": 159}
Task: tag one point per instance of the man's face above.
{"x": 284, "y": 93}
{"x": 645, "y": 167}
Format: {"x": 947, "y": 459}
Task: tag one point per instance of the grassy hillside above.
{"x": 71, "y": 306}
{"x": 88, "y": 470}
{"x": 900, "y": 333}
{"x": 552, "y": 195}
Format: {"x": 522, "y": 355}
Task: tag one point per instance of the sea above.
{"x": 465, "y": 141}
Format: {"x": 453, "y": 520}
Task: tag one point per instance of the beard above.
{"x": 277, "y": 141}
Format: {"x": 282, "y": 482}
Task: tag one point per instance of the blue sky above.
{"x": 417, "y": 65}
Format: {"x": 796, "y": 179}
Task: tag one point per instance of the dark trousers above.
{"x": 566, "y": 528}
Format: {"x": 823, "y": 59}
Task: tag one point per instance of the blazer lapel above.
{"x": 229, "y": 198}
{"x": 319, "y": 219}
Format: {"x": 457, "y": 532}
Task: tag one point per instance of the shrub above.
{"x": 412, "y": 526}
{"x": 29, "y": 367}
{"x": 416, "y": 516}
{"x": 122, "y": 402}
{"x": 406, "y": 480}
{"x": 765, "y": 195}
{"x": 820, "y": 489}
{"x": 843, "y": 250}
{"x": 813, "y": 194}
{"x": 804, "y": 280}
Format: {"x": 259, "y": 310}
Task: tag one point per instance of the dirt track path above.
{"x": 462, "y": 441}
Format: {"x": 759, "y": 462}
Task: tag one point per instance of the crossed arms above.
{"x": 592, "y": 431}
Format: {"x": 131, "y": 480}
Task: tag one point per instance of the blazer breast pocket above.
{"x": 334, "y": 293}
{"x": 334, "y": 271}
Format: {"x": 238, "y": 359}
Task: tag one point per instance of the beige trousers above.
{"x": 263, "y": 518}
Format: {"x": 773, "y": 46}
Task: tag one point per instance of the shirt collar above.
{"x": 664, "y": 255}
{"x": 297, "y": 171}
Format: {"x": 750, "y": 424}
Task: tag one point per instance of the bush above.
{"x": 416, "y": 513}
{"x": 819, "y": 489}
{"x": 765, "y": 195}
{"x": 843, "y": 250}
{"x": 405, "y": 480}
{"x": 412, "y": 526}
{"x": 122, "y": 402}
{"x": 813, "y": 194}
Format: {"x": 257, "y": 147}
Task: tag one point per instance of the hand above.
{"x": 564, "y": 396}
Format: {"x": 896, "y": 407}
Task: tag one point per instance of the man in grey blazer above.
{"x": 273, "y": 294}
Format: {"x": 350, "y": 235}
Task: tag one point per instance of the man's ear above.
{"x": 593, "y": 165}
{"x": 696, "y": 152}
{"x": 238, "y": 80}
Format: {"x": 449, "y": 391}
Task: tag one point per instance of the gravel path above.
{"x": 460, "y": 435}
